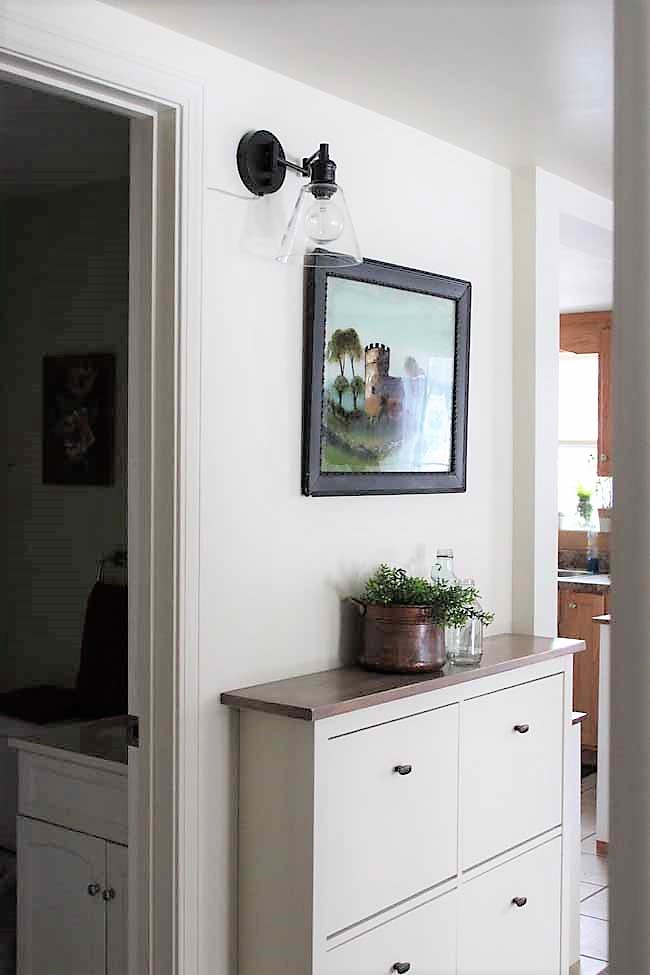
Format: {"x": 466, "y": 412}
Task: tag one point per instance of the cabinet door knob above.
{"x": 401, "y": 967}
{"x": 573, "y": 605}
{"x": 603, "y": 458}
{"x": 403, "y": 770}
{"x": 108, "y": 894}
{"x": 520, "y": 901}
{"x": 522, "y": 728}
{"x": 93, "y": 889}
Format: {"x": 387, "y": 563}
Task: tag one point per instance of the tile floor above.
{"x": 594, "y": 892}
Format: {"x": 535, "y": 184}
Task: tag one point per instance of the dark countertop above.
{"x": 586, "y": 582}
{"x": 338, "y": 691}
{"x": 96, "y": 741}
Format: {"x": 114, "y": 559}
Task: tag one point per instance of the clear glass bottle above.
{"x": 443, "y": 568}
{"x": 464, "y": 644}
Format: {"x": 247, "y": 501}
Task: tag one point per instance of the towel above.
{"x": 102, "y": 680}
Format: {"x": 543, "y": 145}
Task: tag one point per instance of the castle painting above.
{"x": 388, "y": 380}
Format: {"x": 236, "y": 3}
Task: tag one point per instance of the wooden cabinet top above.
{"x": 315, "y": 696}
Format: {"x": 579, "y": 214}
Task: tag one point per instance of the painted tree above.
{"x": 357, "y": 387}
{"x": 412, "y": 367}
{"x": 337, "y": 348}
{"x": 353, "y": 346}
{"x": 340, "y": 385}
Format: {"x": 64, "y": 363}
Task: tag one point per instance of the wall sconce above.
{"x": 320, "y": 217}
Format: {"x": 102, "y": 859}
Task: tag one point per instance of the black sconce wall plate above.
{"x": 261, "y": 162}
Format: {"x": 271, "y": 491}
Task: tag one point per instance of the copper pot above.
{"x": 401, "y": 639}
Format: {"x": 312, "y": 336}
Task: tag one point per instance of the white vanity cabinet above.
{"x": 72, "y": 862}
{"x": 67, "y": 924}
{"x": 392, "y": 824}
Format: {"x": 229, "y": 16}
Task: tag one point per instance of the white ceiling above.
{"x": 49, "y": 143}
{"x": 517, "y": 81}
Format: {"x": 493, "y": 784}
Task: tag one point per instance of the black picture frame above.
{"x": 79, "y": 419}
{"x": 319, "y": 483}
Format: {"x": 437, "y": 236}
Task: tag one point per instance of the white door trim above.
{"x": 33, "y": 53}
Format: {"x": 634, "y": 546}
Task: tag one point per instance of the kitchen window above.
{"x": 577, "y": 432}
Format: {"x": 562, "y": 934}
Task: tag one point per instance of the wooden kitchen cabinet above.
{"x": 591, "y": 333}
{"x": 576, "y": 613}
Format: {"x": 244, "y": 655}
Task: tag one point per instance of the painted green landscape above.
{"x": 388, "y": 380}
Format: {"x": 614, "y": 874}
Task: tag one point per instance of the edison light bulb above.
{"x": 324, "y": 222}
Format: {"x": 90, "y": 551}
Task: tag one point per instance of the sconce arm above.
{"x": 295, "y": 167}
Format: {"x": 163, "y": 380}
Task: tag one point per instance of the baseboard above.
{"x": 602, "y": 848}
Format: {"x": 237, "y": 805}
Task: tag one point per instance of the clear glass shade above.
{"x": 320, "y": 232}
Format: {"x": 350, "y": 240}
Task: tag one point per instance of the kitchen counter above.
{"x": 346, "y": 689}
{"x": 586, "y": 582}
{"x": 97, "y": 744}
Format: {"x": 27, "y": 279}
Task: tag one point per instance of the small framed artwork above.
{"x": 386, "y": 381}
{"x": 78, "y": 419}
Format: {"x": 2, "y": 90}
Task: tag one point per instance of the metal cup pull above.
{"x": 94, "y": 889}
{"x": 403, "y": 770}
{"x": 401, "y": 967}
{"x": 520, "y": 901}
{"x": 522, "y": 728}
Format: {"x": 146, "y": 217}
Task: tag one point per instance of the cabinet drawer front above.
{"x": 75, "y": 796}
{"x": 389, "y": 814}
{"x": 497, "y": 937}
{"x": 425, "y": 939}
{"x": 511, "y": 779}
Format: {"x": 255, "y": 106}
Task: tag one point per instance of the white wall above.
{"x": 67, "y": 292}
{"x": 586, "y": 281}
{"x": 586, "y": 265}
{"x": 545, "y": 207}
{"x": 630, "y": 673}
{"x": 274, "y": 565}
{"x": 4, "y": 432}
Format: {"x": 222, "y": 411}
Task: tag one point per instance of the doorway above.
{"x": 585, "y": 494}
{"x": 64, "y": 177}
{"x": 149, "y": 365}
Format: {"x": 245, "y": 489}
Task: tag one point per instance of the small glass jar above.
{"x": 464, "y": 644}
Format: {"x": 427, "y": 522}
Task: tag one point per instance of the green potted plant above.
{"x": 584, "y": 506}
{"x": 404, "y": 619}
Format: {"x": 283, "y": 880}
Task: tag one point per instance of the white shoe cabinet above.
{"x": 421, "y": 834}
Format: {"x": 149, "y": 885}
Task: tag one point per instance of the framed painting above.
{"x": 386, "y": 381}
{"x": 78, "y": 419}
